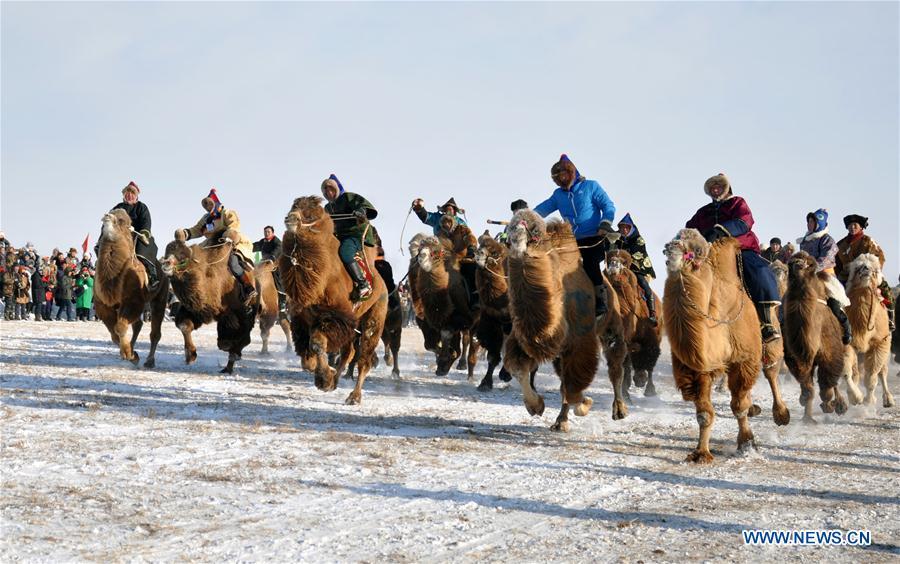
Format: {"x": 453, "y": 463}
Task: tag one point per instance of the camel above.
{"x": 551, "y": 302}
{"x": 445, "y": 303}
{"x": 207, "y": 292}
{"x": 869, "y": 321}
{"x": 780, "y": 270}
{"x": 641, "y": 336}
{"x": 812, "y": 339}
{"x": 432, "y": 337}
{"x": 323, "y": 318}
{"x": 121, "y": 291}
{"x": 494, "y": 323}
{"x": 712, "y": 326}
{"x": 268, "y": 307}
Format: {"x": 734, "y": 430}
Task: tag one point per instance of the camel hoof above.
{"x": 700, "y": 457}
{"x": 619, "y": 411}
{"x": 150, "y": 362}
{"x": 650, "y": 390}
{"x": 353, "y": 399}
{"x": 888, "y": 401}
{"x": 640, "y": 378}
{"x": 804, "y": 397}
{"x": 561, "y": 426}
{"x": 807, "y": 420}
{"x": 827, "y": 406}
{"x": 582, "y": 408}
{"x": 754, "y": 410}
{"x": 395, "y": 372}
{"x": 264, "y": 352}
{"x": 840, "y": 406}
{"x": 190, "y": 357}
{"x": 225, "y": 370}
{"x": 536, "y": 409}
{"x": 462, "y": 365}
{"x": 504, "y": 375}
{"x": 781, "y": 415}
{"x": 485, "y": 385}
{"x": 747, "y": 445}
{"x": 135, "y": 359}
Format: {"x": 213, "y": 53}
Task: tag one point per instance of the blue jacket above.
{"x": 584, "y": 207}
{"x": 434, "y": 220}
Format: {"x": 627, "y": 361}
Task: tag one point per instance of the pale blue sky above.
{"x": 796, "y": 102}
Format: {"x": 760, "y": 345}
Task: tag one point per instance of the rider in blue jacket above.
{"x": 590, "y": 211}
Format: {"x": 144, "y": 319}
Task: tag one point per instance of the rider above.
{"x": 854, "y": 244}
{"x": 590, "y": 211}
{"x": 270, "y": 249}
{"x": 217, "y": 223}
{"x": 632, "y": 242}
{"x": 387, "y": 274}
{"x": 351, "y": 214}
{"x": 144, "y": 245}
{"x": 463, "y": 244}
{"x": 434, "y": 218}
{"x": 729, "y": 216}
{"x": 821, "y": 246}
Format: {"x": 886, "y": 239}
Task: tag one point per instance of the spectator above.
{"x": 37, "y": 294}
{"x": 84, "y": 294}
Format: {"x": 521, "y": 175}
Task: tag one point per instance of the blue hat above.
{"x": 340, "y": 186}
{"x": 821, "y": 217}
{"x": 628, "y": 221}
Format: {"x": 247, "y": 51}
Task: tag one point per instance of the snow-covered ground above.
{"x": 102, "y": 461}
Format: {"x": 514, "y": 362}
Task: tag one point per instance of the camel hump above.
{"x": 560, "y": 233}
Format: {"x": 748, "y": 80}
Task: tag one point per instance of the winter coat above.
{"x": 434, "y": 219}
{"x": 139, "y": 214}
{"x": 64, "y": 284}
{"x": 732, "y": 214}
{"x": 37, "y": 287}
{"x": 214, "y": 228}
{"x": 637, "y": 248}
{"x": 849, "y": 249}
{"x": 584, "y": 206}
{"x": 23, "y": 288}
{"x": 344, "y": 228}
{"x": 821, "y": 246}
{"x": 86, "y": 296}
{"x": 269, "y": 248}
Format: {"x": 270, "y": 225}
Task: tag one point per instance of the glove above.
{"x": 613, "y": 236}
{"x": 360, "y": 215}
{"x": 715, "y": 234}
{"x": 181, "y": 234}
{"x": 418, "y": 204}
{"x": 605, "y": 227}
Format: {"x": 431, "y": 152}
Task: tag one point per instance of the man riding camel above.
{"x": 589, "y": 210}
{"x": 217, "y": 223}
{"x": 351, "y": 214}
{"x": 434, "y": 218}
{"x": 854, "y": 244}
{"x": 729, "y": 216}
{"x": 270, "y": 248}
{"x": 821, "y": 246}
{"x": 630, "y": 240}
{"x": 144, "y": 244}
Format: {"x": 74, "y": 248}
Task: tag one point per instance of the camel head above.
{"x": 525, "y": 228}
{"x": 865, "y": 270}
{"x": 178, "y": 256}
{"x": 489, "y": 251}
{"x": 801, "y": 267}
{"x": 431, "y": 251}
{"x": 687, "y": 250}
{"x": 415, "y": 244}
{"x": 617, "y": 261}
{"x": 307, "y": 213}
{"x": 780, "y": 270}
{"x": 114, "y": 225}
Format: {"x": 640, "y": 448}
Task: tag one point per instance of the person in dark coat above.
{"x": 37, "y": 294}
{"x": 774, "y": 251}
{"x": 387, "y": 274}
{"x": 351, "y": 214}
{"x": 729, "y": 216}
{"x": 270, "y": 248}
{"x": 630, "y": 240}
{"x": 854, "y": 244}
{"x": 144, "y": 244}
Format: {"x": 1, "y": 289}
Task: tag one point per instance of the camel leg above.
{"x": 487, "y": 383}
{"x": 126, "y": 352}
{"x": 615, "y": 359}
{"x": 464, "y": 352}
{"x": 780, "y": 413}
{"x": 157, "y": 312}
{"x": 627, "y": 380}
{"x": 562, "y": 420}
{"x": 395, "y": 352}
{"x": 851, "y": 375}
{"x": 650, "y": 389}
{"x": 229, "y": 366}
{"x": 740, "y": 383}
{"x": 705, "y": 417}
{"x": 886, "y": 397}
{"x": 870, "y": 379}
{"x": 324, "y": 373}
{"x": 472, "y": 359}
{"x": 286, "y": 329}
{"x": 373, "y": 322}
{"x": 347, "y": 361}
{"x": 190, "y": 351}
{"x": 264, "y": 330}
{"x": 806, "y": 397}
{"x": 524, "y": 368}
{"x": 136, "y": 331}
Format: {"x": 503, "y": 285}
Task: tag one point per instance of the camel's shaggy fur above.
{"x": 812, "y": 339}
{"x": 209, "y": 292}
{"x": 323, "y": 319}
{"x": 445, "y": 302}
{"x": 780, "y": 270}
{"x": 869, "y": 321}
{"x": 432, "y": 337}
{"x": 494, "y": 323}
{"x": 552, "y": 310}
{"x": 712, "y": 327}
{"x": 121, "y": 292}
{"x": 268, "y": 305}
{"x": 641, "y": 336}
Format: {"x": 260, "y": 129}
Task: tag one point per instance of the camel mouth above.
{"x": 290, "y": 222}
{"x": 614, "y": 268}
{"x": 425, "y": 259}
{"x": 480, "y": 258}
{"x": 518, "y": 239}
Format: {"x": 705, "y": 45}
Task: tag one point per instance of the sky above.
{"x": 796, "y": 102}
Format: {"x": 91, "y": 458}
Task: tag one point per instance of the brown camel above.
{"x": 323, "y": 318}
{"x": 642, "y": 337}
{"x": 551, "y": 302}
{"x": 780, "y": 270}
{"x": 712, "y": 326}
{"x": 432, "y": 337}
{"x": 208, "y": 292}
{"x": 494, "y": 323}
{"x": 268, "y": 305}
{"x": 121, "y": 292}
{"x": 869, "y": 321}
{"x": 445, "y": 302}
{"x": 812, "y": 339}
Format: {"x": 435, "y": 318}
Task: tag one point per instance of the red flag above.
{"x": 84, "y": 246}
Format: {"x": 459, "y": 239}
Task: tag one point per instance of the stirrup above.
{"x": 248, "y": 299}
{"x": 769, "y": 333}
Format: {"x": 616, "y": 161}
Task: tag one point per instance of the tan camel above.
{"x": 268, "y": 305}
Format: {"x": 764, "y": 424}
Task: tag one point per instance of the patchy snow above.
{"x": 102, "y": 461}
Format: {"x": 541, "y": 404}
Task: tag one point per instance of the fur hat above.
{"x": 854, "y": 218}
{"x": 565, "y": 163}
{"x": 452, "y": 204}
{"x": 131, "y": 187}
{"x": 211, "y": 198}
{"x": 333, "y": 181}
{"x": 518, "y": 205}
{"x": 718, "y": 179}
{"x": 821, "y": 218}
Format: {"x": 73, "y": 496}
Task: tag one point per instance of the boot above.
{"x": 600, "y": 307}
{"x": 651, "y": 309}
{"x": 362, "y": 290}
{"x": 282, "y": 303}
{"x": 838, "y": 312}
{"x": 768, "y": 330}
{"x": 892, "y": 325}
{"x": 250, "y": 294}
{"x": 152, "y": 275}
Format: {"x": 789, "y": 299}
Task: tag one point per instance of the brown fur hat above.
{"x": 132, "y": 187}
{"x": 718, "y": 179}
